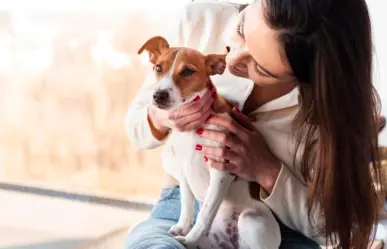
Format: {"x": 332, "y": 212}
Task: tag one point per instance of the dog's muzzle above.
{"x": 161, "y": 98}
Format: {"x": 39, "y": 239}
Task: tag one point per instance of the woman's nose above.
{"x": 238, "y": 58}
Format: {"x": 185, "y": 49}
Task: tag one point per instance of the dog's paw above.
{"x": 185, "y": 242}
{"x": 180, "y": 230}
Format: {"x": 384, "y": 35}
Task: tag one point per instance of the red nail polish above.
{"x": 198, "y": 147}
{"x": 199, "y": 131}
{"x": 237, "y": 110}
{"x": 205, "y": 159}
{"x": 196, "y": 98}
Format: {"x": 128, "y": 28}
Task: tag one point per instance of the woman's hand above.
{"x": 185, "y": 118}
{"x": 246, "y": 153}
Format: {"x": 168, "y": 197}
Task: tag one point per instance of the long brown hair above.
{"x": 329, "y": 48}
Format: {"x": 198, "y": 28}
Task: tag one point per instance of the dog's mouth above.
{"x": 164, "y": 106}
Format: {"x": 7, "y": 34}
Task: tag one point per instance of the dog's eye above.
{"x": 158, "y": 68}
{"x": 187, "y": 72}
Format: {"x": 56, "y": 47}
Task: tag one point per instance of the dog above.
{"x": 229, "y": 217}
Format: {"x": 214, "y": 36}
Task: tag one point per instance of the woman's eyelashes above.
{"x": 239, "y": 30}
{"x": 260, "y": 73}
{"x": 240, "y": 26}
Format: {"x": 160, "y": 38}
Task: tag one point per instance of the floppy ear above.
{"x": 216, "y": 63}
{"x": 154, "y": 47}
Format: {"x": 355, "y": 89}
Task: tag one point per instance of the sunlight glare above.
{"x": 6, "y": 58}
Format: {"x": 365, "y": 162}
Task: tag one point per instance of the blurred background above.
{"x": 68, "y": 71}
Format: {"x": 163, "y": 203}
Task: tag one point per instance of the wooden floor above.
{"x": 113, "y": 240}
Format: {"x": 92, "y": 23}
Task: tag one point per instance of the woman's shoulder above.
{"x": 209, "y": 6}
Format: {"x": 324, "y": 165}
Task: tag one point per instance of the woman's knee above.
{"x": 152, "y": 234}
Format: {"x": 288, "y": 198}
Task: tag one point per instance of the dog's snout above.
{"x": 161, "y": 97}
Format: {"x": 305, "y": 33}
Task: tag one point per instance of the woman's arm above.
{"x": 138, "y": 126}
{"x": 138, "y": 123}
{"x": 288, "y": 200}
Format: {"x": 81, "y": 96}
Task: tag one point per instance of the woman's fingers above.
{"x": 233, "y": 126}
{"x": 194, "y": 120}
{"x": 221, "y": 137}
{"x": 192, "y": 107}
{"x": 205, "y": 110}
{"x": 223, "y": 166}
{"x": 216, "y": 152}
{"x": 230, "y": 125}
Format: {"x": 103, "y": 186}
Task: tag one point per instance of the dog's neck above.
{"x": 220, "y": 104}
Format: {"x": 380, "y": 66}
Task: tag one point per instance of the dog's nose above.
{"x": 161, "y": 97}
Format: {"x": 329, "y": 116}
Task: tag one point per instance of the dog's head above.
{"x": 181, "y": 73}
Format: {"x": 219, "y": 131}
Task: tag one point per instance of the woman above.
{"x": 306, "y": 66}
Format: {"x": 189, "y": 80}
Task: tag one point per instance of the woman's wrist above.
{"x": 268, "y": 177}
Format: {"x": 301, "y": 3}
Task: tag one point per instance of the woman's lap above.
{"x": 153, "y": 232}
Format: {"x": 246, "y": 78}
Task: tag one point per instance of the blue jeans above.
{"x": 153, "y": 232}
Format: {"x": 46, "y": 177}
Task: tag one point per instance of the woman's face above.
{"x": 255, "y": 52}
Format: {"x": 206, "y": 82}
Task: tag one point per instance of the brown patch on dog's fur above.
{"x": 181, "y": 58}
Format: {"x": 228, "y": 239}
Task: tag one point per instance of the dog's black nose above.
{"x": 161, "y": 97}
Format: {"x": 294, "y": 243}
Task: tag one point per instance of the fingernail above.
{"x": 237, "y": 110}
{"x": 205, "y": 159}
{"x": 196, "y": 98}
{"x": 199, "y": 131}
{"x": 198, "y": 147}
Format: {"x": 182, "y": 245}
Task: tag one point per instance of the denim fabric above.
{"x": 153, "y": 232}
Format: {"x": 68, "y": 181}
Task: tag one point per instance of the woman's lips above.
{"x": 237, "y": 71}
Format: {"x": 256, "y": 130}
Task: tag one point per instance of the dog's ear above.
{"x": 216, "y": 63}
{"x": 154, "y": 47}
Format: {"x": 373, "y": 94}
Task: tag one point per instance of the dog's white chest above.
{"x": 190, "y": 162}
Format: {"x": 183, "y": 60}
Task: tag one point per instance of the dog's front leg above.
{"x": 217, "y": 190}
{"x": 187, "y": 199}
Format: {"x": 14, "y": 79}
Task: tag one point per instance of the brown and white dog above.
{"x": 229, "y": 217}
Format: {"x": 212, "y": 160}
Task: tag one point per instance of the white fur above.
{"x": 167, "y": 83}
{"x": 217, "y": 190}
